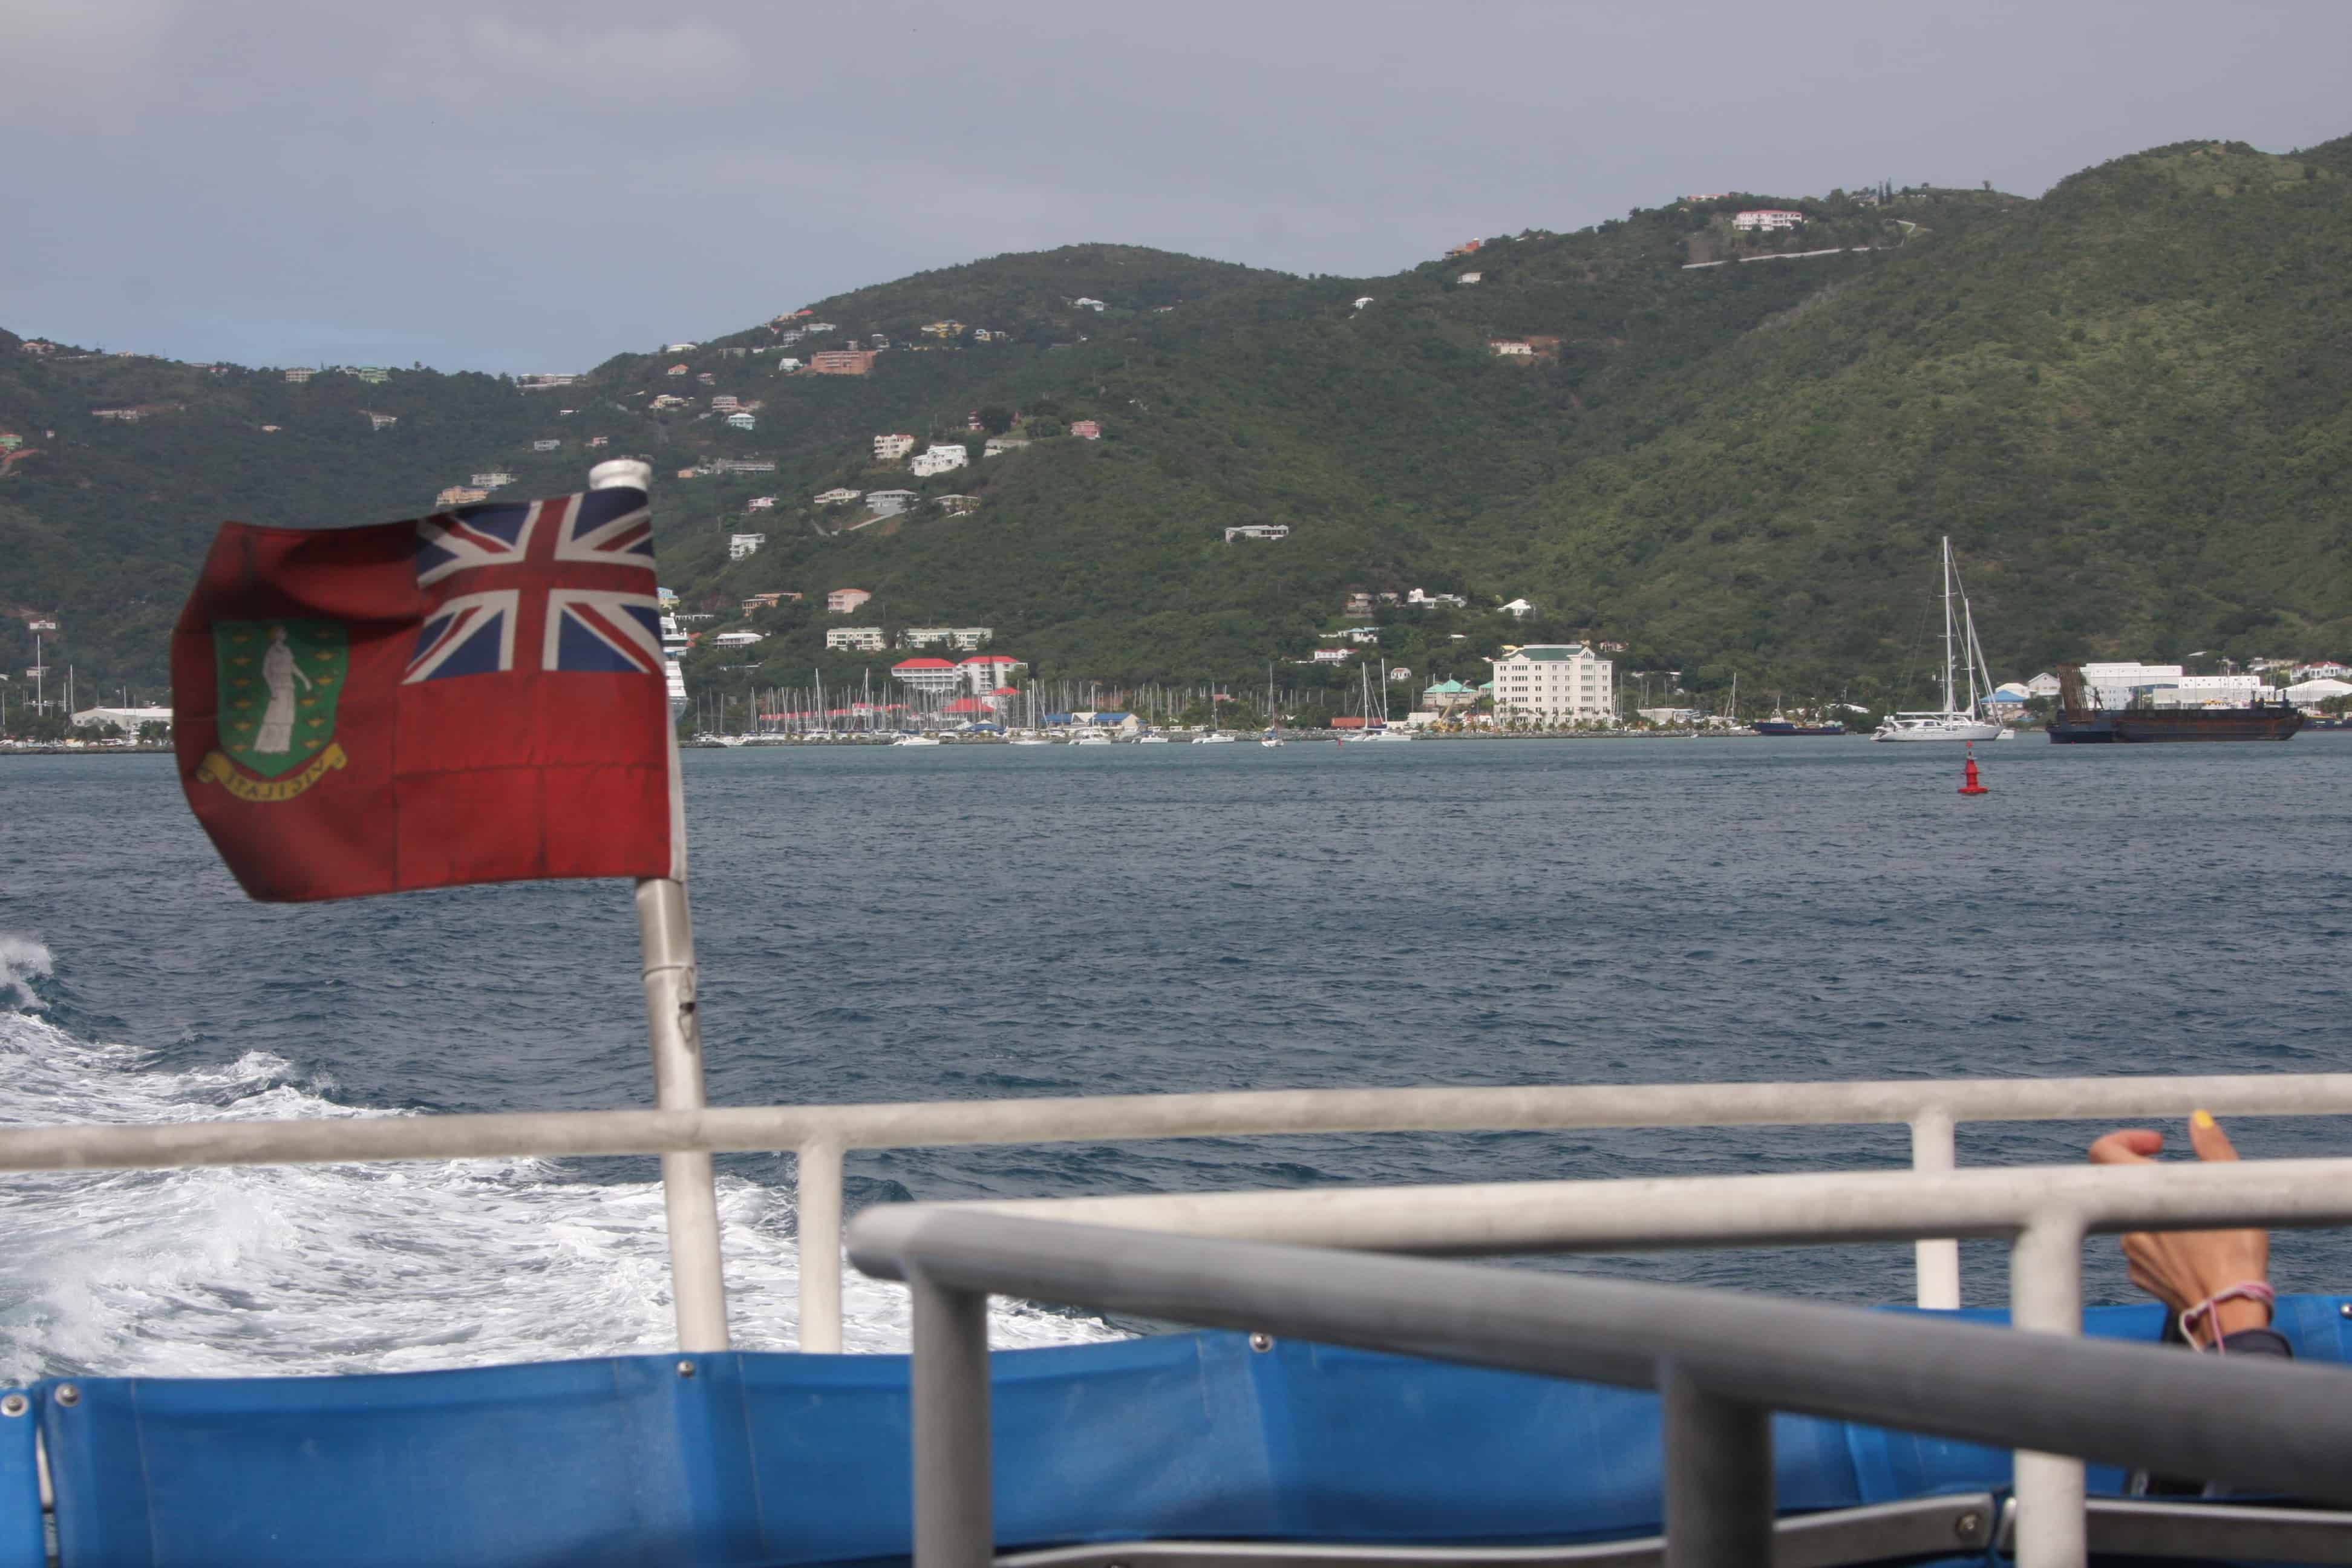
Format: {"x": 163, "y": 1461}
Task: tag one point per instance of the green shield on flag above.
{"x": 277, "y": 683}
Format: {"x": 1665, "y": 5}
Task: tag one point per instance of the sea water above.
{"x": 975, "y": 923}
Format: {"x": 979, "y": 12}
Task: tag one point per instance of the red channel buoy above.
{"x": 1969, "y": 785}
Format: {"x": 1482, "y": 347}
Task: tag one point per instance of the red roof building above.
{"x": 928, "y": 674}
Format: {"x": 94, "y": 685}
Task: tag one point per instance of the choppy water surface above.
{"x": 879, "y": 925}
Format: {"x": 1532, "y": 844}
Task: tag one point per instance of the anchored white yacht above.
{"x": 1960, "y": 649}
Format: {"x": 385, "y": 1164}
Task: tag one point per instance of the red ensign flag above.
{"x": 473, "y": 696}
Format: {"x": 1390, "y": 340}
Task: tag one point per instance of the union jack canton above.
{"x": 568, "y": 580}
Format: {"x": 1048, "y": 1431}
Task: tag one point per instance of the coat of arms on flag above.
{"x": 475, "y": 696}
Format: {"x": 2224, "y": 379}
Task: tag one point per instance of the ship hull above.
{"x": 2146, "y": 726}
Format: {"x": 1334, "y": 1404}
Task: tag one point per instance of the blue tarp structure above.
{"x": 788, "y": 1459}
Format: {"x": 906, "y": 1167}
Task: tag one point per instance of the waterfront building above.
{"x": 1554, "y": 683}
{"x": 989, "y": 673}
{"x": 926, "y": 674}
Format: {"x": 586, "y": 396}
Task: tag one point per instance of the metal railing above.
{"x": 819, "y": 1136}
{"x": 2046, "y": 1212}
{"x": 1721, "y": 1361}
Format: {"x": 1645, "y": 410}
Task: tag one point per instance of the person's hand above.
{"x": 2182, "y": 1267}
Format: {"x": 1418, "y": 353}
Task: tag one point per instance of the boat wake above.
{"x": 352, "y": 1267}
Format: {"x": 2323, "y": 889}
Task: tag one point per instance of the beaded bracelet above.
{"x": 2248, "y": 1291}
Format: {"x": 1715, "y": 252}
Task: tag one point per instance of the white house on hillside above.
{"x": 1768, "y": 218}
{"x": 740, "y": 545}
{"x": 836, "y": 496}
{"x": 1257, "y": 531}
{"x": 889, "y": 503}
{"x": 938, "y": 458}
{"x": 890, "y": 448}
{"x": 1518, "y": 609}
{"x": 857, "y": 639}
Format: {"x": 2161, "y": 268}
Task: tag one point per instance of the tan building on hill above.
{"x": 842, "y": 362}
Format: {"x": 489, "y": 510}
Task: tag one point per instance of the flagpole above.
{"x": 666, "y": 942}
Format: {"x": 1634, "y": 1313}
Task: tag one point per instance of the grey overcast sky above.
{"x": 506, "y": 186}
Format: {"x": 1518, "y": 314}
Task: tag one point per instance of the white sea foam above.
{"x": 22, "y": 961}
{"x": 351, "y": 1267}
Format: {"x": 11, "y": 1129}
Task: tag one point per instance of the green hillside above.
{"x": 2129, "y": 403}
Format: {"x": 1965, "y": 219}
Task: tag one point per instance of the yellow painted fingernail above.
{"x": 2201, "y": 1117}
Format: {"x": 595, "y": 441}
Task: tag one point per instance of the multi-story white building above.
{"x": 997, "y": 446}
{"x": 928, "y": 674}
{"x": 939, "y": 458}
{"x": 964, "y": 639}
{"x": 739, "y": 421}
{"x": 1257, "y": 531}
{"x": 738, "y": 640}
{"x": 988, "y": 673}
{"x": 889, "y": 503}
{"x": 1768, "y": 218}
{"x": 1554, "y": 683}
{"x": 836, "y": 496}
{"x": 890, "y": 448}
{"x": 740, "y": 545}
{"x": 845, "y": 600}
{"x": 857, "y": 639}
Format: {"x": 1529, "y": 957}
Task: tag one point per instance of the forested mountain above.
{"x": 2129, "y": 402}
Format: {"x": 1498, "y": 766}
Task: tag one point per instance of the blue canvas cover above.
{"x": 793, "y": 1460}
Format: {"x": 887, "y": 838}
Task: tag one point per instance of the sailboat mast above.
{"x": 1948, "y": 624}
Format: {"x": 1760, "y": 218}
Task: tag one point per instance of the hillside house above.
{"x": 893, "y": 447}
{"x": 740, "y": 545}
{"x": 879, "y": 342}
{"x": 599, "y": 440}
{"x": 941, "y": 329}
{"x": 459, "y": 495}
{"x": 760, "y": 503}
{"x": 836, "y": 496}
{"x": 739, "y": 640}
{"x": 820, "y": 326}
{"x": 373, "y": 374}
{"x": 297, "y": 377}
{"x": 679, "y": 370}
{"x": 1087, "y": 430}
{"x": 758, "y": 601}
{"x": 1468, "y": 278}
{"x": 845, "y": 600}
{"x": 680, "y": 348}
{"x": 41, "y": 348}
{"x": 670, "y": 400}
{"x": 689, "y": 473}
{"x": 1083, "y": 303}
{"x": 1467, "y": 248}
{"x": 743, "y": 464}
{"x": 1363, "y": 301}
{"x": 857, "y": 639}
{"x": 843, "y": 362}
{"x": 545, "y": 380}
{"x": 1330, "y": 656}
{"x": 1768, "y": 218}
{"x": 938, "y": 458}
{"x": 963, "y": 639}
{"x": 726, "y": 403}
{"x": 379, "y": 421}
{"x": 1511, "y": 348}
{"x": 1257, "y": 531}
{"x": 742, "y": 421}
{"x": 545, "y": 446}
{"x": 706, "y": 379}
{"x": 1518, "y": 609}
{"x": 982, "y": 335}
{"x": 889, "y": 503}
{"x": 1454, "y": 601}
{"x": 997, "y": 446}
{"x": 957, "y": 506}
{"x": 786, "y": 366}
{"x": 492, "y": 479}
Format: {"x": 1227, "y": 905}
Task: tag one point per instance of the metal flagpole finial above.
{"x": 613, "y": 473}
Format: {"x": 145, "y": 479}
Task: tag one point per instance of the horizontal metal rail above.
{"x": 1720, "y": 1359}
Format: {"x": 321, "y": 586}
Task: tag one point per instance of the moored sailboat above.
{"x": 1952, "y": 722}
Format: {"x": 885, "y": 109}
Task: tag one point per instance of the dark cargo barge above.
{"x": 2081, "y": 722}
